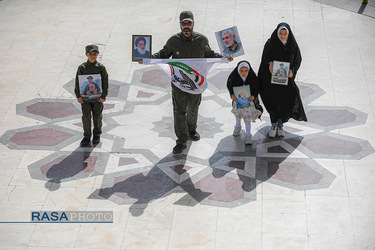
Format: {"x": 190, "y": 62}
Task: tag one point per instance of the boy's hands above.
{"x": 80, "y": 100}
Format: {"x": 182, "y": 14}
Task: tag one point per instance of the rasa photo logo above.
{"x": 72, "y": 216}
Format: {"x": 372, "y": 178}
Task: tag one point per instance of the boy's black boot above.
{"x": 96, "y": 139}
{"x": 85, "y": 142}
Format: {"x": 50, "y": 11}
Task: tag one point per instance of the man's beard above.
{"x": 141, "y": 51}
{"x": 187, "y": 31}
{"x": 230, "y": 44}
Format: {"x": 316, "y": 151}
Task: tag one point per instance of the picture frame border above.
{"x": 133, "y": 45}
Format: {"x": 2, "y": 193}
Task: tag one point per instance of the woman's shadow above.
{"x": 255, "y": 163}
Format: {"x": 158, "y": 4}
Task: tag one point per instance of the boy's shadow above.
{"x": 77, "y": 162}
{"x": 251, "y": 167}
{"x": 150, "y": 185}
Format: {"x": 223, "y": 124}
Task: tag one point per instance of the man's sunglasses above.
{"x": 186, "y": 24}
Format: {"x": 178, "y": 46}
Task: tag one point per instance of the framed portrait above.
{"x": 141, "y": 47}
{"x": 229, "y": 41}
{"x": 242, "y": 93}
{"x": 90, "y": 87}
{"x": 280, "y": 73}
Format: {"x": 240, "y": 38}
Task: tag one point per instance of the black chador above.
{"x": 281, "y": 101}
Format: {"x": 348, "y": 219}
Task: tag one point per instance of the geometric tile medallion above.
{"x": 222, "y": 188}
{"x": 67, "y": 166}
{"x": 309, "y": 92}
{"x": 49, "y": 110}
{"x": 295, "y": 173}
{"x": 53, "y": 110}
{"x": 330, "y": 118}
{"x": 333, "y": 146}
{"x": 228, "y": 178}
{"x": 40, "y": 137}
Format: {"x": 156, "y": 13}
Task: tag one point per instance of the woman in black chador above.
{"x": 281, "y": 101}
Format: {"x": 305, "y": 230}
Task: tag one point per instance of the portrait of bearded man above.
{"x": 140, "y": 50}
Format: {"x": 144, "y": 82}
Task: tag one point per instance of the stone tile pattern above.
{"x": 220, "y": 189}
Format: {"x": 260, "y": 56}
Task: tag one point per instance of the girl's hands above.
{"x": 290, "y": 74}
{"x": 271, "y": 67}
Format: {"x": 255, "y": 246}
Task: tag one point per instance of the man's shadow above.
{"x": 251, "y": 166}
{"x": 153, "y": 184}
{"x": 78, "y": 161}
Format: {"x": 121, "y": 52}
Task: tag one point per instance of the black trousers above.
{"x": 92, "y": 110}
{"x": 185, "y": 112}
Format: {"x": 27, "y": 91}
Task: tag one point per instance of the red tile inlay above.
{"x": 293, "y": 172}
{"x": 202, "y": 127}
{"x": 222, "y": 189}
{"x": 127, "y": 161}
{"x": 113, "y": 90}
{"x": 328, "y": 145}
{"x": 330, "y": 117}
{"x": 156, "y": 77}
{"x": 53, "y": 109}
{"x": 40, "y": 137}
{"x": 142, "y": 94}
{"x": 108, "y": 106}
{"x": 305, "y": 92}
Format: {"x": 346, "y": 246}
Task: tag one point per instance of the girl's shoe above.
{"x": 248, "y": 139}
{"x": 272, "y": 132}
{"x": 237, "y": 130}
{"x": 280, "y": 132}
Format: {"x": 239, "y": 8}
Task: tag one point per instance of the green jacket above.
{"x": 180, "y": 46}
{"x": 88, "y": 68}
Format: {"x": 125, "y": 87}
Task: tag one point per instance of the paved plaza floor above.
{"x": 313, "y": 189}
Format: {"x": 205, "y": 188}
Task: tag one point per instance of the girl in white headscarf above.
{"x": 244, "y": 107}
